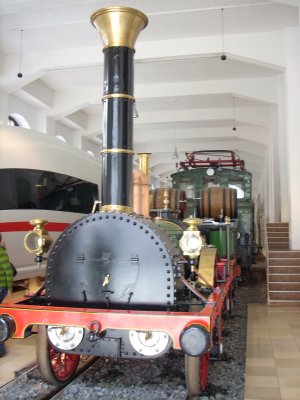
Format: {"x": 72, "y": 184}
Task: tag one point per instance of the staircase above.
{"x": 283, "y": 267}
{"x": 278, "y": 236}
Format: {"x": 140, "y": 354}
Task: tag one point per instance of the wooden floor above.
{"x": 19, "y": 354}
{"x": 273, "y": 353}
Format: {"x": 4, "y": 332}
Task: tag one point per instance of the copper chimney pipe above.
{"x": 119, "y": 28}
{"x": 141, "y": 186}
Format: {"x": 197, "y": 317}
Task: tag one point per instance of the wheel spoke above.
{"x": 56, "y": 367}
{"x": 63, "y": 365}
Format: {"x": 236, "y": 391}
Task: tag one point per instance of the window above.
{"x": 15, "y": 119}
{"x": 60, "y": 137}
{"x": 239, "y": 189}
{"x": 45, "y": 190}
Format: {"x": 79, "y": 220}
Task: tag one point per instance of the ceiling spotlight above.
{"x": 233, "y": 113}
{"x": 223, "y": 56}
{"x": 20, "y": 75}
{"x": 175, "y": 155}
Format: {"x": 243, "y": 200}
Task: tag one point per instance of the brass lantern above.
{"x": 38, "y": 241}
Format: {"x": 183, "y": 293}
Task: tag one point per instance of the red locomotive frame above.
{"x": 25, "y": 316}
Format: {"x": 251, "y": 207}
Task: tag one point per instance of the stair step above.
{"x": 284, "y": 278}
{"x": 284, "y": 303}
{"x": 288, "y": 269}
{"x": 284, "y": 267}
{"x": 277, "y": 240}
{"x": 277, "y": 229}
{"x": 284, "y": 235}
{"x": 284, "y": 254}
{"x": 284, "y": 295}
{"x": 284, "y": 286}
{"x": 276, "y": 246}
{"x": 284, "y": 261}
{"x": 277, "y": 224}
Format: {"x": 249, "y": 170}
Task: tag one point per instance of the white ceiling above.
{"x": 186, "y": 96}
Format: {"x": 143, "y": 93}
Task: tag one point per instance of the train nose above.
{"x": 7, "y": 327}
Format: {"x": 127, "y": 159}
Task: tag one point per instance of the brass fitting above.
{"x": 38, "y": 241}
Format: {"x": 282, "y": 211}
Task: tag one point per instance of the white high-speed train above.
{"x": 41, "y": 177}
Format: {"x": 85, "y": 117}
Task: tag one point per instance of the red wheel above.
{"x": 228, "y": 304}
{"x": 204, "y": 364}
{"x": 56, "y": 367}
{"x": 196, "y": 374}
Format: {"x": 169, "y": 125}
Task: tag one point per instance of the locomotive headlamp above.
{"x": 210, "y": 172}
{"x": 191, "y": 241}
{"x": 194, "y": 340}
{"x": 38, "y": 241}
{"x": 7, "y": 327}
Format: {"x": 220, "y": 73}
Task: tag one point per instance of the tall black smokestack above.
{"x": 119, "y": 28}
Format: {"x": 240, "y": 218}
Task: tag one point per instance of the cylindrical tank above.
{"x": 172, "y": 229}
{"x": 177, "y": 200}
{"x": 216, "y": 203}
{"x": 219, "y": 239}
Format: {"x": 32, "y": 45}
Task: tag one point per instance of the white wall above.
{"x": 292, "y": 87}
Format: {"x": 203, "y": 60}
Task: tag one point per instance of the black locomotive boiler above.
{"x": 116, "y": 284}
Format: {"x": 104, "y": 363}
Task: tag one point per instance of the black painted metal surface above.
{"x": 113, "y": 260}
{"x": 117, "y": 126}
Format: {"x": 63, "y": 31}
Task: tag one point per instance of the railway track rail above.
{"x": 34, "y": 387}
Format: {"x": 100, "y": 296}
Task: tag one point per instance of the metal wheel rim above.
{"x": 196, "y": 373}
{"x": 204, "y": 363}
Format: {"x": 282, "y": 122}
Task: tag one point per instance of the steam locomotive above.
{"x": 119, "y": 284}
{"x": 213, "y": 184}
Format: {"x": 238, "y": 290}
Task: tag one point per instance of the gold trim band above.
{"x": 117, "y": 208}
{"x": 125, "y": 151}
{"x": 118, "y": 96}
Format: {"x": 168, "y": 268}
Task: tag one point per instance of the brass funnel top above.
{"x": 144, "y": 162}
{"x": 119, "y": 26}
